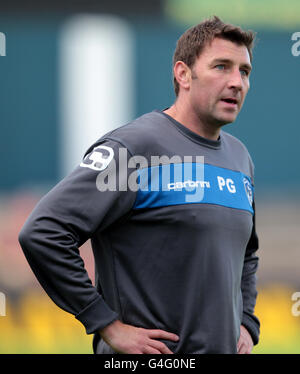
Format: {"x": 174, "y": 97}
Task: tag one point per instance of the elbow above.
{"x": 25, "y": 236}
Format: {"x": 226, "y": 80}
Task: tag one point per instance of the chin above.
{"x": 221, "y": 119}
{"x": 225, "y": 121}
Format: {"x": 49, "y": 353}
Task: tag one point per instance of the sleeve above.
{"x": 248, "y": 285}
{"x": 64, "y": 219}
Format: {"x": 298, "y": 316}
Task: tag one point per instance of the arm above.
{"x": 60, "y": 223}
{"x": 250, "y": 323}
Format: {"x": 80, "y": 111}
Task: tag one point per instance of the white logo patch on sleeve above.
{"x": 98, "y": 159}
{"x": 248, "y": 190}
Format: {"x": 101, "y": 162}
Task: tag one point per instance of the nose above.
{"x": 235, "y": 81}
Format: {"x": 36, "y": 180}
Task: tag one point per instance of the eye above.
{"x": 220, "y": 67}
{"x": 244, "y": 72}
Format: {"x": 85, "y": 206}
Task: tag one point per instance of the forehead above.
{"x": 225, "y": 49}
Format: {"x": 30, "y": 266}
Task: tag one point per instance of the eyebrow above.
{"x": 228, "y": 61}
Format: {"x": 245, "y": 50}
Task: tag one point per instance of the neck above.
{"x": 192, "y": 122}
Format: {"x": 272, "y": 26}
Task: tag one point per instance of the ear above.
{"x": 183, "y": 74}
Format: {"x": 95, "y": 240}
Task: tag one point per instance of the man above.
{"x": 175, "y": 257}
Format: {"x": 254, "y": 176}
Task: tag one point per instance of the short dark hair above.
{"x": 190, "y": 45}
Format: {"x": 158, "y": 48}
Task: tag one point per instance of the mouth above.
{"x": 231, "y": 101}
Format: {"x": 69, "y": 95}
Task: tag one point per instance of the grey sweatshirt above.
{"x": 177, "y": 253}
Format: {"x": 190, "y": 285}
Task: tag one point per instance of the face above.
{"x": 219, "y": 82}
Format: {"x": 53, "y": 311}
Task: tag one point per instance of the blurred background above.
{"x": 72, "y": 70}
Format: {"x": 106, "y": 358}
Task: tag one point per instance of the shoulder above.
{"x": 238, "y": 151}
{"x": 233, "y": 141}
{"x": 235, "y": 144}
{"x": 139, "y": 135}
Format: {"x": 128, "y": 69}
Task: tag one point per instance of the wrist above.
{"x": 107, "y": 332}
